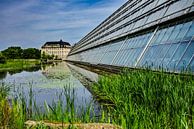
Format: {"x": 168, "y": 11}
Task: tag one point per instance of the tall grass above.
{"x": 133, "y": 99}
{"x": 11, "y": 111}
{"x": 66, "y": 113}
{"x": 144, "y": 99}
{"x": 15, "y": 112}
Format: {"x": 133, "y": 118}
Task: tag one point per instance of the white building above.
{"x": 59, "y": 49}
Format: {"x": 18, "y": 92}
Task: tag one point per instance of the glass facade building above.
{"x": 142, "y": 33}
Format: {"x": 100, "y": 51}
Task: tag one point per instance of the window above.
{"x": 187, "y": 57}
{"x": 175, "y": 7}
{"x": 168, "y": 55}
{"x": 190, "y": 33}
{"x": 133, "y": 58}
{"x": 177, "y": 55}
{"x": 167, "y": 35}
{"x": 175, "y": 33}
{"x": 191, "y": 65}
{"x": 183, "y": 31}
{"x": 160, "y": 36}
{"x": 156, "y": 15}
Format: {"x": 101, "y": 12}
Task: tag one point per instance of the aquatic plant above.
{"x": 145, "y": 99}
{"x": 17, "y": 111}
{"x": 132, "y": 99}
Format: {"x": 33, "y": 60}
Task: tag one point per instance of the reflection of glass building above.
{"x": 142, "y": 33}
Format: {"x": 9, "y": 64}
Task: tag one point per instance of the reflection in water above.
{"x": 56, "y": 71}
{"x": 3, "y": 74}
{"x": 47, "y": 84}
{"x": 83, "y": 74}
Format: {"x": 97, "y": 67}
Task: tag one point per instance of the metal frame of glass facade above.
{"x": 142, "y": 33}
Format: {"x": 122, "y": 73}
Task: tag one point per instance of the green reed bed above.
{"x": 18, "y": 64}
{"x": 133, "y": 99}
{"x": 144, "y": 99}
{"x": 15, "y": 112}
{"x": 64, "y": 112}
{"x": 12, "y": 112}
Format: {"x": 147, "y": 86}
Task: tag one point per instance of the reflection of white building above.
{"x": 56, "y": 48}
{"x": 56, "y": 71}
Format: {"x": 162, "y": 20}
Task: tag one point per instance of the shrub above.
{"x": 2, "y": 59}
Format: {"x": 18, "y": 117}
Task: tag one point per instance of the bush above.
{"x": 144, "y": 99}
{"x": 2, "y": 59}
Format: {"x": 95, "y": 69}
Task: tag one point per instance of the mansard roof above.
{"x": 58, "y": 43}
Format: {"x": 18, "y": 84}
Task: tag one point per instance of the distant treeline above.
{"x": 19, "y": 53}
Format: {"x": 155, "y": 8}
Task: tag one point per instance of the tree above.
{"x": 31, "y": 53}
{"x": 13, "y": 53}
{"x": 19, "y": 53}
{"x": 44, "y": 56}
{"x": 56, "y": 57}
{"x": 2, "y": 59}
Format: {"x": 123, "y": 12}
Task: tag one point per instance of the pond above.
{"x": 48, "y": 82}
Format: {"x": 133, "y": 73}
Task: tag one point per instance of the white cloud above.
{"x": 33, "y": 22}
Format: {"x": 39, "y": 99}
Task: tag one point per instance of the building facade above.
{"x": 59, "y": 49}
{"x": 142, "y": 33}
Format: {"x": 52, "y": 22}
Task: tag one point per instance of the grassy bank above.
{"x": 15, "y": 112}
{"x": 144, "y": 99}
{"x": 19, "y": 64}
{"x": 137, "y": 100}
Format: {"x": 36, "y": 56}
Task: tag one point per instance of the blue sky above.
{"x": 30, "y": 23}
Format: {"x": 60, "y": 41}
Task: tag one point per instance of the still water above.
{"x": 48, "y": 82}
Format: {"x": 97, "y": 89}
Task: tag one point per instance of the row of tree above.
{"x": 19, "y": 53}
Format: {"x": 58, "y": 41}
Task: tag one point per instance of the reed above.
{"x": 15, "y": 113}
{"x": 144, "y": 99}
{"x": 133, "y": 99}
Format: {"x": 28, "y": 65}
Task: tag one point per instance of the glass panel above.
{"x": 133, "y": 43}
{"x": 167, "y": 34}
{"x": 150, "y": 6}
{"x": 187, "y": 57}
{"x": 128, "y": 59}
{"x": 135, "y": 57}
{"x": 191, "y": 66}
{"x": 160, "y": 2}
{"x": 160, "y": 36}
{"x": 177, "y": 6}
{"x": 155, "y": 57}
{"x": 168, "y": 55}
{"x": 147, "y": 59}
{"x": 146, "y": 39}
{"x": 111, "y": 52}
{"x": 156, "y": 15}
{"x": 183, "y": 31}
{"x": 156, "y": 36}
{"x": 122, "y": 57}
{"x": 144, "y": 20}
{"x": 106, "y": 58}
{"x": 104, "y": 53}
{"x": 178, "y": 54}
{"x": 190, "y": 33}
{"x": 122, "y": 53}
{"x": 160, "y": 55}
{"x": 175, "y": 33}
{"x": 129, "y": 43}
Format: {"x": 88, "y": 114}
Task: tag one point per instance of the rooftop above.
{"x": 61, "y": 43}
